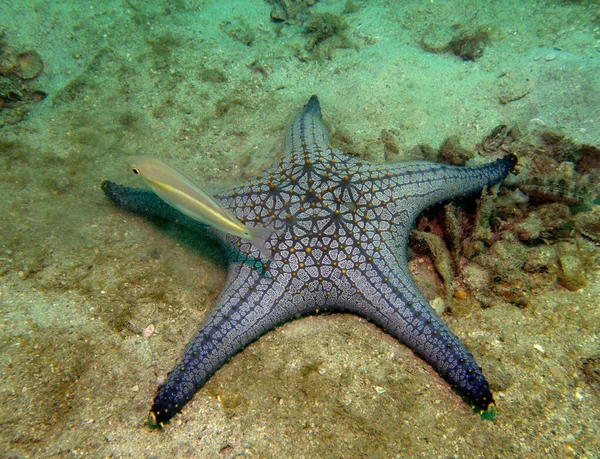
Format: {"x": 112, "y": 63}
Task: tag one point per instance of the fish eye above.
{"x": 135, "y": 170}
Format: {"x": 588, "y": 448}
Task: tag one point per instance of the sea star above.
{"x": 342, "y": 246}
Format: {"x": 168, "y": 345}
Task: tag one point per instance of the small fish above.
{"x": 192, "y": 200}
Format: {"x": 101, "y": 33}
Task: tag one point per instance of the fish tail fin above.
{"x": 259, "y": 236}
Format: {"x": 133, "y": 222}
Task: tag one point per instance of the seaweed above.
{"x": 539, "y": 228}
{"x": 590, "y": 368}
{"x": 324, "y": 26}
{"x": 468, "y": 44}
{"x": 289, "y": 10}
{"x": 390, "y": 148}
{"x": 452, "y": 152}
{"x": 212, "y": 75}
{"x": 164, "y": 50}
{"x": 353, "y": 6}
{"x": 239, "y": 30}
{"x": 17, "y": 72}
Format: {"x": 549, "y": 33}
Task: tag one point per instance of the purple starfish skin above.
{"x": 345, "y": 226}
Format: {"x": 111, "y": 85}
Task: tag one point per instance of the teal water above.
{"x": 96, "y": 305}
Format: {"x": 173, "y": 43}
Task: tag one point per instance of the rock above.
{"x": 588, "y": 223}
{"x": 28, "y": 65}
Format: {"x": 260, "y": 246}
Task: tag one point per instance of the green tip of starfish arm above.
{"x": 486, "y": 415}
{"x": 151, "y": 422}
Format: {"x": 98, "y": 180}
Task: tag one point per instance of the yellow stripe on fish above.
{"x": 192, "y": 200}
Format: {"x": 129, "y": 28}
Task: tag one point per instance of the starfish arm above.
{"x": 307, "y": 129}
{"x": 250, "y": 305}
{"x": 395, "y": 304}
{"x": 424, "y": 184}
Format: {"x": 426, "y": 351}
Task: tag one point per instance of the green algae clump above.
{"x": 487, "y": 415}
{"x": 324, "y": 26}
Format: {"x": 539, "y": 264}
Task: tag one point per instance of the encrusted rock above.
{"x": 588, "y": 223}
{"x": 540, "y": 259}
{"x": 572, "y": 266}
{"x": 477, "y": 277}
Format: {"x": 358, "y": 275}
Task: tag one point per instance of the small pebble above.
{"x": 460, "y": 293}
{"x": 148, "y": 331}
{"x": 439, "y": 305}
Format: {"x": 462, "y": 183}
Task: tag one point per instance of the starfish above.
{"x": 344, "y": 228}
